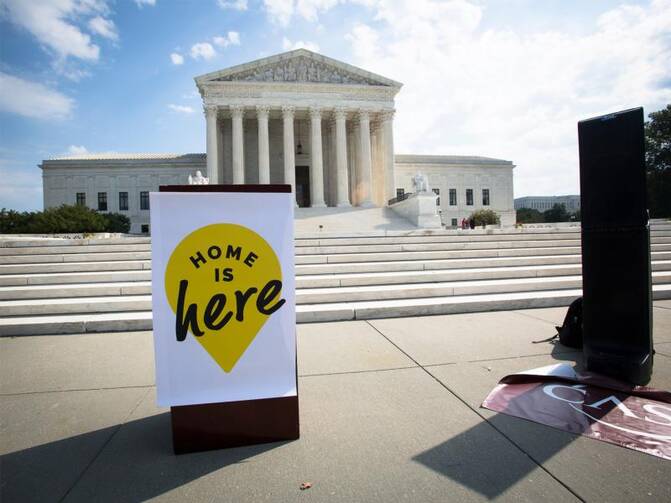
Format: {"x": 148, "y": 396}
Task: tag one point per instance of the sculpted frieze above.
{"x": 300, "y": 69}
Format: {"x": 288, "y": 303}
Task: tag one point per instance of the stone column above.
{"x": 354, "y": 159}
{"x": 364, "y": 165}
{"x": 212, "y": 144}
{"x": 264, "y": 147}
{"x": 237, "y": 113}
{"x": 388, "y": 155}
{"x": 289, "y": 154}
{"x": 316, "y": 162}
{"x": 342, "y": 181}
{"x": 220, "y": 152}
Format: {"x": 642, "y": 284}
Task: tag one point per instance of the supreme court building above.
{"x": 318, "y": 124}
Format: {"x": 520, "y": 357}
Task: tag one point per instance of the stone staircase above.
{"x": 58, "y": 286}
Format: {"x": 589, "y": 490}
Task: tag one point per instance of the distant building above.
{"x": 543, "y": 203}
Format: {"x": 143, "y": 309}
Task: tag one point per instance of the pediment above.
{"x": 301, "y": 66}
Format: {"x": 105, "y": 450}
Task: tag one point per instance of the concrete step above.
{"x": 60, "y": 291}
{"x": 446, "y": 305}
{"x": 75, "y": 257}
{"x": 84, "y": 305}
{"x": 436, "y": 275}
{"x": 115, "y": 265}
{"x": 337, "y": 245}
{"x": 452, "y": 238}
{"x": 71, "y": 249}
{"x": 92, "y": 284}
{"x": 66, "y": 278}
{"x": 403, "y": 247}
{"x": 76, "y": 324}
{"x": 141, "y": 320}
{"x": 136, "y": 302}
{"x": 454, "y": 254}
{"x": 12, "y": 274}
{"x": 10, "y": 241}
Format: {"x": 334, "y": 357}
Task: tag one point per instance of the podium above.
{"x": 224, "y": 314}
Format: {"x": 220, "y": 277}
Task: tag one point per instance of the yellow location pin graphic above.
{"x": 223, "y": 281}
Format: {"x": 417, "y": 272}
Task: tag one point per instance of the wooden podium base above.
{"x": 233, "y": 424}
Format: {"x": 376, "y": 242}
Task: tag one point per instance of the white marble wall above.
{"x": 446, "y": 172}
{"x": 62, "y": 181}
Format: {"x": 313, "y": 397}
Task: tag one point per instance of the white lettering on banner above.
{"x": 653, "y": 409}
{"x": 613, "y": 399}
{"x": 549, "y": 390}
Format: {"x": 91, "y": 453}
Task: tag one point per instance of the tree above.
{"x": 529, "y": 216}
{"x": 557, "y": 213}
{"x": 484, "y": 217}
{"x": 658, "y": 162}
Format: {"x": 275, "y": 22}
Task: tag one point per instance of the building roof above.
{"x": 449, "y": 159}
{"x": 297, "y": 54}
{"x": 125, "y": 156}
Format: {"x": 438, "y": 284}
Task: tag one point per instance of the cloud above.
{"x": 182, "y": 109}
{"x": 103, "y": 27}
{"x": 32, "y": 99}
{"x": 176, "y": 58}
{"x": 53, "y": 23}
{"x": 510, "y": 94}
{"x": 142, "y": 3}
{"x": 288, "y": 45}
{"x": 233, "y": 4}
{"x": 231, "y": 38}
{"x": 279, "y": 11}
{"x": 77, "y": 150}
{"x": 202, "y": 50}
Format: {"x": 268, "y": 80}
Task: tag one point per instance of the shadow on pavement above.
{"x": 480, "y": 459}
{"x": 136, "y": 465}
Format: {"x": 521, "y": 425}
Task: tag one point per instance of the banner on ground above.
{"x": 588, "y": 404}
{"x": 223, "y": 296}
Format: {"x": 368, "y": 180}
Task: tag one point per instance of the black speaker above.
{"x": 617, "y": 319}
{"x": 612, "y": 170}
{"x": 616, "y": 276}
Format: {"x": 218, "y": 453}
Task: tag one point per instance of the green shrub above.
{"x": 484, "y": 217}
{"x": 62, "y": 220}
{"x": 116, "y": 222}
{"x": 557, "y": 213}
{"x": 529, "y": 216}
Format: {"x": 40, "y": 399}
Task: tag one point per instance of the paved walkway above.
{"x": 389, "y": 412}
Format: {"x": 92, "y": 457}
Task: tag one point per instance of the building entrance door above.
{"x": 303, "y": 186}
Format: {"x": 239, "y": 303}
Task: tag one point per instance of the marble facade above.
{"x": 300, "y": 109}
{"x": 320, "y": 125}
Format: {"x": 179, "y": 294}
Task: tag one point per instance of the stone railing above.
{"x": 419, "y": 209}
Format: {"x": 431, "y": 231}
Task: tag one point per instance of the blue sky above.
{"x": 506, "y": 78}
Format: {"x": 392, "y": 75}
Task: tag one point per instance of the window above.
{"x": 145, "y": 227}
{"x": 453, "y": 197}
{"x": 454, "y": 222}
{"x": 485, "y": 197}
{"x": 81, "y": 198}
{"x": 123, "y": 201}
{"x": 437, "y": 192}
{"x": 399, "y": 194}
{"x": 144, "y": 200}
{"x": 102, "y": 201}
{"x": 469, "y": 197}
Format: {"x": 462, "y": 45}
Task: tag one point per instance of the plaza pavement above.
{"x": 389, "y": 413}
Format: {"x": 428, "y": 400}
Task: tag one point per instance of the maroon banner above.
{"x": 635, "y": 417}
